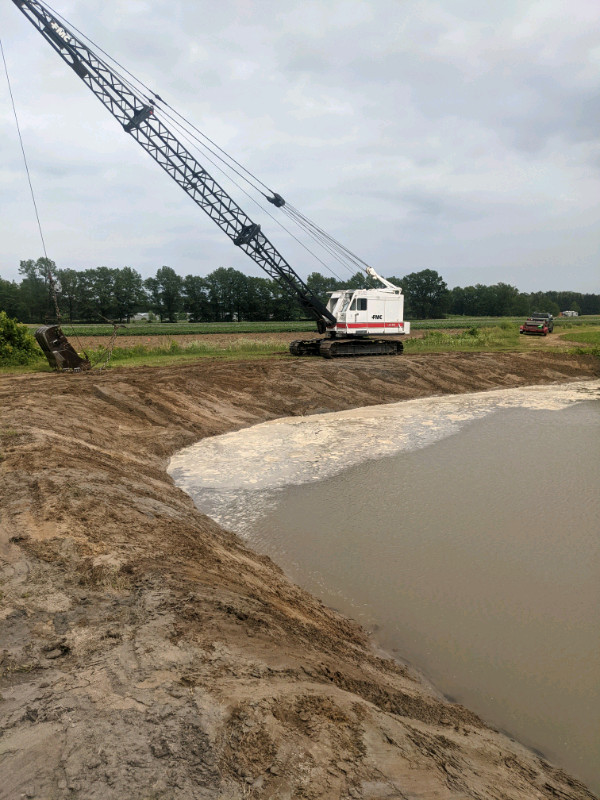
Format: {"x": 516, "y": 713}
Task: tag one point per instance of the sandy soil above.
{"x": 147, "y": 653}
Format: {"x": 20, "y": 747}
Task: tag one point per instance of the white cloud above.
{"x": 461, "y": 136}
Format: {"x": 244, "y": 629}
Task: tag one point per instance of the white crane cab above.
{"x": 356, "y": 319}
{"x": 367, "y": 312}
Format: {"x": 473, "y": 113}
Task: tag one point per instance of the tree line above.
{"x": 225, "y": 295}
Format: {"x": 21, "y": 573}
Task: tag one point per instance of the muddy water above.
{"x": 463, "y": 531}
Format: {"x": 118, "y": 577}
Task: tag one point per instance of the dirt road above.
{"x": 147, "y": 653}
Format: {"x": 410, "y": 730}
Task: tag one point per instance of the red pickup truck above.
{"x": 538, "y": 326}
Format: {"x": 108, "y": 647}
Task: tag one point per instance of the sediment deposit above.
{"x": 145, "y": 652}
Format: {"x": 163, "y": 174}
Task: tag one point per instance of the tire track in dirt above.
{"x": 143, "y": 646}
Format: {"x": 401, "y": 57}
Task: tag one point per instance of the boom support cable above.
{"x": 35, "y": 206}
{"x": 344, "y": 256}
{"x": 139, "y": 111}
{"x": 152, "y": 97}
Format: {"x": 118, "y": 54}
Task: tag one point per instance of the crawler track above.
{"x": 346, "y": 348}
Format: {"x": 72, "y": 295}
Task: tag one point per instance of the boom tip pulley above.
{"x": 277, "y": 200}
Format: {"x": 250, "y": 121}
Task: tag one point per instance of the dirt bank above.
{"x": 147, "y": 653}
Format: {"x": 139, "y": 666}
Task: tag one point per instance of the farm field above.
{"x": 302, "y": 326}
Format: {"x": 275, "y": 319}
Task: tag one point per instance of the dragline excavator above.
{"x": 355, "y": 322}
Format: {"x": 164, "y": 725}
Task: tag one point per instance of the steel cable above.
{"x": 332, "y": 246}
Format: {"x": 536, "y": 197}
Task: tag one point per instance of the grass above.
{"x": 473, "y": 339}
{"x": 142, "y": 355}
{"x": 586, "y": 337}
{"x": 473, "y": 334}
{"x": 591, "y": 338}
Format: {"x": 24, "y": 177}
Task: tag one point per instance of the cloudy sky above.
{"x": 454, "y": 135}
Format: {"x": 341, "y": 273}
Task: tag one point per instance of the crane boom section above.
{"x": 135, "y": 113}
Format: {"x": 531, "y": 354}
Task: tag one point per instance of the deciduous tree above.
{"x": 427, "y": 294}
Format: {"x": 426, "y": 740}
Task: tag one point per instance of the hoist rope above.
{"x": 156, "y": 97}
{"x": 341, "y": 254}
{"x": 345, "y": 256}
{"x": 49, "y": 275}
{"x": 326, "y": 242}
{"x": 262, "y": 208}
{"x": 35, "y": 205}
{"x": 338, "y": 245}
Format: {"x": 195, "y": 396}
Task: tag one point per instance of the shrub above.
{"x": 17, "y": 345}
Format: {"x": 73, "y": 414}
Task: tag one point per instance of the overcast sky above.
{"x": 456, "y": 135}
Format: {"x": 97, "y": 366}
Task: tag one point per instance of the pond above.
{"x": 461, "y": 530}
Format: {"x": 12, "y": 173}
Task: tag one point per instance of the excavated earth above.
{"x": 147, "y": 653}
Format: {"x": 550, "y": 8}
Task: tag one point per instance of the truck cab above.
{"x": 534, "y": 326}
{"x": 544, "y": 316}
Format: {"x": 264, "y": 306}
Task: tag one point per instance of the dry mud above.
{"x": 145, "y": 652}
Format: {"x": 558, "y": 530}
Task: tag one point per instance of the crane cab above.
{"x": 367, "y": 312}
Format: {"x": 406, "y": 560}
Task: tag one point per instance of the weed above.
{"x": 471, "y": 339}
{"x": 586, "y": 337}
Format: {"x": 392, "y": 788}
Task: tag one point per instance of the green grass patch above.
{"x": 586, "y": 337}
{"x": 591, "y": 338}
{"x": 39, "y": 364}
{"x": 142, "y": 355}
{"x": 473, "y": 334}
{"x": 471, "y": 340}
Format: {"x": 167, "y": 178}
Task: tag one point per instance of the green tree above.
{"x": 499, "y": 300}
{"x": 129, "y": 295}
{"x": 87, "y": 306}
{"x": 68, "y": 292}
{"x": 10, "y": 299}
{"x": 504, "y": 297}
{"x": 103, "y": 288}
{"x": 259, "y": 299}
{"x": 590, "y": 304}
{"x": 467, "y": 301}
{"x": 427, "y": 294}
{"x": 227, "y": 289}
{"x": 35, "y": 289}
{"x": 196, "y": 300}
{"x": 285, "y": 306}
{"x": 321, "y": 285}
{"x": 360, "y": 280}
{"x": 165, "y": 293}
{"x": 17, "y": 345}
{"x": 520, "y": 306}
